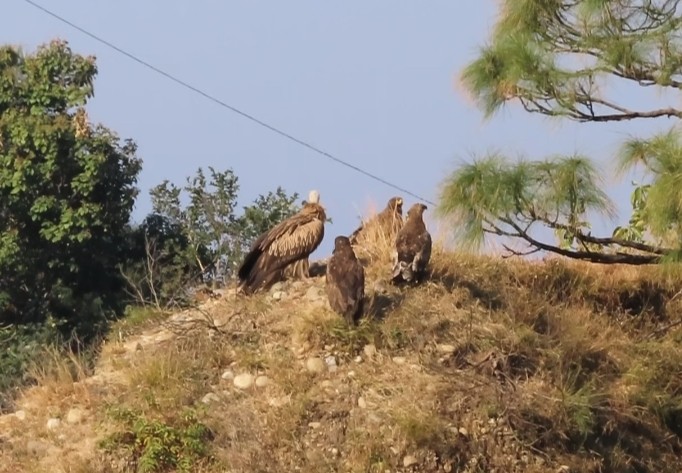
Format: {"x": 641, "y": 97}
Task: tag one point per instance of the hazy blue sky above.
{"x": 373, "y": 83}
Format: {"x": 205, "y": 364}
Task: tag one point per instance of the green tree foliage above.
{"x": 216, "y": 235}
{"x": 66, "y": 192}
{"x": 553, "y": 57}
{"x": 160, "y": 263}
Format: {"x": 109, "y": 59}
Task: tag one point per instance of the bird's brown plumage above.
{"x": 389, "y": 220}
{"x": 287, "y": 243}
{"x": 300, "y": 269}
{"x": 412, "y": 247}
{"x": 345, "y": 281}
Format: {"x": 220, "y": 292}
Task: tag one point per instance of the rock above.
{"x": 53, "y": 423}
{"x": 399, "y": 360}
{"x": 37, "y": 447}
{"x": 463, "y": 431}
{"x": 21, "y": 415}
{"x": 446, "y": 348}
{"x": 327, "y": 384}
{"x": 314, "y": 457}
{"x": 314, "y": 294}
{"x": 409, "y": 461}
{"x": 375, "y": 419}
{"x": 362, "y": 404}
{"x": 262, "y": 381}
{"x": 315, "y": 365}
{"x": 358, "y": 359}
{"x": 210, "y": 397}
{"x": 74, "y": 416}
{"x": 314, "y": 425}
{"x": 331, "y": 363}
{"x": 563, "y": 469}
{"x": 279, "y": 401}
{"x": 277, "y": 287}
{"x": 228, "y": 375}
{"x": 278, "y": 295}
{"x": 370, "y": 350}
{"x": 243, "y": 381}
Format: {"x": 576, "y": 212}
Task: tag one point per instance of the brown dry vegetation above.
{"x": 492, "y": 365}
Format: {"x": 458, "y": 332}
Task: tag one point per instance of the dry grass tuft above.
{"x": 375, "y": 246}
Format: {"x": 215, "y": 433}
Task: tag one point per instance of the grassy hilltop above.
{"x": 492, "y": 365}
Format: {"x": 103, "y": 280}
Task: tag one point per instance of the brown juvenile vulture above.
{"x": 390, "y": 220}
{"x": 287, "y": 244}
{"x": 345, "y": 281}
{"x": 412, "y": 247}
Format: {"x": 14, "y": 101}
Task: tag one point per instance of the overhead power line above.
{"x": 223, "y": 104}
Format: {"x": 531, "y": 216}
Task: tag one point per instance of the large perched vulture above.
{"x": 412, "y": 247}
{"x": 287, "y": 244}
{"x": 300, "y": 269}
{"x": 345, "y": 281}
{"x": 389, "y": 221}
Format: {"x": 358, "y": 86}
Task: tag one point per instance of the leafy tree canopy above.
{"x": 67, "y": 188}
{"x": 218, "y": 236}
{"x": 554, "y": 57}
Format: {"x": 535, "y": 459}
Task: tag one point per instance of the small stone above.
{"x": 74, "y": 416}
{"x": 262, "y": 381}
{"x": 315, "y": 365}
{"x": 362, "y": 404}
{"x": 279, "y": 401}
{"x": 314, "y": 456}
{"x": 563, "y": 469}
{"x": 351, "y": 374}
{"x": 209, "y": 398}
{"x": 243, "y": 381}
{"x": 409, "y": 461}
{"x": 37, "y": 447}
{"x": 228, "y": 375}
{"x": 375, "y": 419}
{"x": 331, "y": 363}
{"x": 277, "y": 287}
{"x": 53, "y": 423}
{"x": 463, "y": 431}
{"x": 314, "y": 425}
{"x": 21, "y": 415}
{"x": 399, "y": 360}
{"x": 445, "y": 348}
{"x": 335, "y": 452}
{"x": 327, "y": 384}
{"x": 370, "y": 350}
{"x": 313, "y": 294}
{"x": 358, "y": 359}
{"x": 278, "y": 295}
